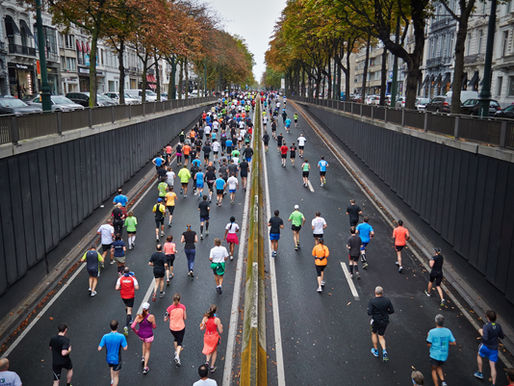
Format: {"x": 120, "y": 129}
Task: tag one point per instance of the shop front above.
{"x": 21, "y": 80}
{"x": 83, "y": 79}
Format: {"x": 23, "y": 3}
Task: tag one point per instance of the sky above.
{"x": 253, "y": 20}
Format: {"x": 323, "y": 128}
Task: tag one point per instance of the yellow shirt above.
{"x": 170, "y": 198}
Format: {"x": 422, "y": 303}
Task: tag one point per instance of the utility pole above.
{"x": 45, "y": 89}
{"x": 485, "y": 92}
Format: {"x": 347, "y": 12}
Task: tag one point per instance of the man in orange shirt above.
{"x": 320, "y": 253}
{"x": 400, "y": 236}
{"x": 186, "y": 149}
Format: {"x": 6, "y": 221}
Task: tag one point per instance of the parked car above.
{"x": 115, "y": 96}
{"x": 82, "y": 98}
{"x": 421, "y": 103}
{"x": 11, "y": 105}
{"x": 507, "y": 112}
{"x": 164, "y": 96}
{"x": 59, "y": 103}
{"x": 464, "y": 95}
{"x": 372, "y": 100}
{"x": 137, "y": 92}
{"x": 472, "y": 107}
{"x": 439, "y": 104}
{"x": 400, "y": 102}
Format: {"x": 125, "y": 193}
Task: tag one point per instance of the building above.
{"x": 503, "y": 67}
{"x": 4, "y": 85}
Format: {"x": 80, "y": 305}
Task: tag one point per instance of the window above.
{"x": 505, "y": 42}
{"x": 468, "y": 43}
{"x": 70, "y": 41}
{"x": 499, "y": 85}
{"x": 71, "y": 64}
{"x": 511, "y": 85}
{"x": 480, "y": 38}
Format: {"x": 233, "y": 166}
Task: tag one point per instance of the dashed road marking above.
{"x": 350, "y": 281}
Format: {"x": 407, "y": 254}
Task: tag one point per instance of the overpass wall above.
{"x": 48, "y": 191}
{"x": 467, "y": 197}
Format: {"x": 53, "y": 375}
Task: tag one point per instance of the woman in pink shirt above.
{"x": 176, "y": 314}
{"x": 169, "y": 250}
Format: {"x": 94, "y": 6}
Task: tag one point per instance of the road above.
{"x": 325, "y": 337}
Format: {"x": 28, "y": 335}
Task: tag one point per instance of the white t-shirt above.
{"x": 216, "y": 146}
{"x": 242, "y": 133}
{"x": 232, "y": 227}
{"x": 241, "y": 124}
{"x": 215, "y": 124}
{"x": 318, "y": 223}
{"x": 301, "y": 141}
{"x": 205, "y": 382}
{"x": 236, "y": 160}
{"x": 264, "y": 119}
{"x": 106, "y": 232}
{"x": 170, "y": 177}
{"x": 232, "y": 183}
{"x": 207, "y": 129}
{"x": 10, "y": 378}
{"x": 218, "y": 254}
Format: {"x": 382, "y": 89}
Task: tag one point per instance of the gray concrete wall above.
{"x": 48, "y": 191}
{"x": 462, "y": 193}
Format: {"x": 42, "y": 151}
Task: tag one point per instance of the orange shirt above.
{"x": 176, "y": 316}
{"x": 400, "y": 234}
{"x": 320, "y": 253}
{"x": 192, "y": 134}
{"x": 186, "y": 149}
{"x": 169, "y": 248}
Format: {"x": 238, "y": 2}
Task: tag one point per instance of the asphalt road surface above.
{"x": 326, "y": 337}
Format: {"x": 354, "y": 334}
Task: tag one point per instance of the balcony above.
{"x": 474, "y": 59}
{"x": 18, "y": 49}
{"x": 504, "y": 62}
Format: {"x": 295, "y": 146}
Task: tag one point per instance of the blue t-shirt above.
{"x": 208, "y": 119}
{"x": 440, "y": 339}
{"x": 118, "y": 248}
{"x": 158, "y": 161}
{"x": 220, "y": 183}
{"x": 288, "y": 122}
{"x": 113, "y": 343}
{"x": 228, "y": 143}
{"x": 120, "y": 199}
{"x": 364, "y": 230}
{"x": 322, "y": 165}
{"x": 199, "y": 178}
{"x": 196, "y": 162}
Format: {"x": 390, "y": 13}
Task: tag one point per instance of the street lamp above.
{"x": 485, "y": 92}
{"x": 45, "y": 89}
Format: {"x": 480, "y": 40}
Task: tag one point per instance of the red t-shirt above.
{"x": 283, "y": 149}
{"x": 127, "y": 286}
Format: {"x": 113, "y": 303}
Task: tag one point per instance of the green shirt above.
{"x": 162, "y": 187}
{"x": 131, "y": 223}
{"x": 184, "y": 174}
{"x": 296, "y": 218}
{"x": 305, "y": 167}
{"x": 235, "y": 153}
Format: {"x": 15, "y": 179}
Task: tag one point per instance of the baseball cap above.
{"x": 159, "y": 200}
{"x": 297, "y": 206}
{"x": 145, "y": 306}
{"x": 437, "y": 250}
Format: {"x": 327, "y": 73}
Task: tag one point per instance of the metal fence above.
{"x": 17, "y": 128}
{"x": 494, "y": 131}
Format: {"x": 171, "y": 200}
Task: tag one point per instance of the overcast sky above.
{"x": 253, "y": 20}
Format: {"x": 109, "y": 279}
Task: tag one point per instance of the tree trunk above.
{"x": 302, "y": 87}
{"x": 180, "y": 79}
{"x": 143, "y": 83}
{"x": 383, "y": 77}
{"x": 157, "y": 78}
{"x": 172, "y": 85}
{"x": 187, "y": 79}
{"x": 337, "y": 92}
{"x": 459, "y": 64}
{"x": 329, "y": 81}
{"x": 92, "y": 68}
{"x": 349, "y": 47}
{"x": 365, "y": 71}
{"x": 121, "y": 67}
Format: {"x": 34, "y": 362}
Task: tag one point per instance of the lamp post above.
{"x": 45, "y": 89}
{"x": 485, "y": 92}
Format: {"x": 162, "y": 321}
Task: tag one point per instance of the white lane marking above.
{"x": 234, "y": 312}
{"x": 281, "y": 378}
{"x": 310, "y": 186}
{"x": 350, "y": 281}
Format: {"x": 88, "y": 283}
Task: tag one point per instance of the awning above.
{"x": 152, "y": 86}
{"x": 24, "y": 27}
{"x": 474, "y": 80}
{"x": 10, "y": 26}
{"x": 83, "y": 47}
{"x": 79, "y": 48}
{"x": 150, "y": 78}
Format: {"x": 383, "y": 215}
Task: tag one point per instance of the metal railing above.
{"x": 19, "y": 49}
{"x": 16, "y": 128}
{"x": 491, "y": 131}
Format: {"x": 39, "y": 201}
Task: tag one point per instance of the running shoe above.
{"x": 206, "y": 232}
{"x": 161, "y": 295}
{"x": 192, "y": 274}
{"x": 478, "y": 375}
{"x": 154, "y": 297}
{"x": 319, "y": 289}
{"x": 443, "y": 383}
{"x": 274, "y": 254}
{"x": 89, "y": 290}
{"x": 400, "y": 269}
{"x": 143, "y": 362}
{"x": 177, "y": 361}
{"x": 385, "y": 357}
{"x": 218, "y": 290}
{"x": 146, "y": 370}
{"x": 398, "y": 264}
{"x": 169, "y": 225}
{"x": 213, "y": 369}
{"x": 351, "y": 276}
{"x": 364, "y": 265}
{"x": 443, "y": 303}
{"x": 427, "y": 293}
{"x": 125, "y": 331}
{"x": 162, "y": 234}
{"x": 111, "y": 262}
{"x": 201, "y": 236}
{"x": 231, "y": 257}
{"x": 358, "y": 275}
{"x": 322, "y": 283}
{"x": 374, "y": 352}
{"x": 168, "y": 283}
{"x": 93, "y": 293}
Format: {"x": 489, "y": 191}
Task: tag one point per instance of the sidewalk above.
{"x": 468, "y": 286}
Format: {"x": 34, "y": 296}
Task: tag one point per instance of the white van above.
{"x": 464, "y": 95}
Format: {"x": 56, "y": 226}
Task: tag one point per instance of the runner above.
{"x": 178, "y": 153}
{"x": 436, "y": 275}
{"x": 439, "y": 340}
{"x": 301, "y": 144}
{"x": 283, "y": 153}
{"x": 158, "y": 162}
{"x": 118, "y": 218}
{"x": 273, "y": 128}
{"x": 159, "y": 264}
{"x": 231, "y": 230}
{"x": 9, "y": 377}
{"x": 61, "y": 349}
{"x": 170, "y": 250}
{"x": 92, "y": 259}
{"x": 248, "y": 153}
{"x": 113, "y": 342}
{"x": 275, "y": 223}
{"x": 322, "y": 165}
{"x": 354, "y": 245}
{"x": 189, "y": 238}
{"x": 280, "y": 138}
{"x": 218, "y": 255}
{"x": 204, "y": 209}
{"x": 353, "y": 211}
{"x": 127, "y": 284}
{"x": 490, "y": 333}
{"x": 176, "y": 314}
{"x": 162, "y": 188}
{"x": 287, "y": 124}
{"x": 199, "y": 178}
{"x": 186, "y": 151}
{"x": 118, "y": 252}
{"x": 169, "y": 153}
{"x": 305, "y": 172}
{"x": 181, "y": 136}
{"x": 184, "y": 175}
{"x": 366, "y": 232}
{"x": 131, "y": 225}
{"x": 106, "y": 232}
{"x": 203, "y": 373}
{"x": 160, "y": 210}
{"x": 210, "y": 178}
{"x": 243, "y": 170}
{"x": 292, "y": 153}
{"x": 319, "y": 225}
{"x": 297, "y": 220}
{"x": 220, "y": 188}
{"x": 379, "y": 308}
{"x": 265, "y": 140}
{"x": 232, "y": 184}
{"x": 295, "y": 117}
{"x": 170, "y": 199}
{"x": 146, "y": 322}
{"x": 320, "y": 253}
{"x": 213, "y": 327}
{"x": 400, "y": 236}
{"x": 120, "y": 198}
{"x": 216, "y": 147}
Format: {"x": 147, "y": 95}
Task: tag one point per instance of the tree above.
{"x": 271, "y": 79}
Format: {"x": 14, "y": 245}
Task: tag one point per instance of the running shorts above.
{"x": 158, "y": 274}
{"x": 170, "y": 259}
{"x": 106, "y": 247}
{"x": 274, "y": 236}
{"x": 120, "y": 259}
{"x": 292, "y": 155}
{"x": 353, "y": 258}
{"x": 284, "y": 155}
{"x": 301, "y": 147}
{"x": 364, "y": 245}
{"x": 199, "y": 185}
{"x": 115, "y": 366}
{"x": 436, "y": 362}
{"x": 159, "y": 222}
{"x": 93, "y": 273}
{"x": 57, "y": 369}
{"x": 179, "y": 336}
{"x": 219, "y": 191}
{"x": 322, "y": 174}
{"x": 203, "y": 219}
{"x": 484, "y": 351}
{"x": 399, "y": 247}
{"x": 128, "y": 302}
{"x": 170, "y": 208}
{"x": 319, "y": 269}
{"x": 296, "y": 228}
{"x": 317, "y": 235}
{"x": 437, "y": 278}
{"x": 231, "y": 190}
{"x": 379, "y": 327}
{"x": 305, "y": 174}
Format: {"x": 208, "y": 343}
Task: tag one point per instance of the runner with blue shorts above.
{"x": 365, "y": 231}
